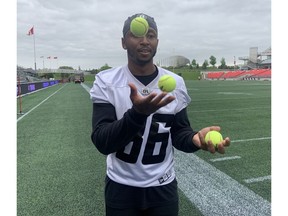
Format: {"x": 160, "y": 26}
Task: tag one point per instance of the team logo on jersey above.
{"x": 145, "y": 91}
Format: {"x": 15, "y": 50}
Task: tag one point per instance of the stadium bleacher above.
{"x": 26, "y": 76}
{"x": 232, "y": 74}
{"x": 255, "y": 74}
{"x": 215, "y": 75}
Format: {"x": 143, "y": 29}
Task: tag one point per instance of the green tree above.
{"x": 205, "y": 64}
{"x": 223, "y": 64}
{"x": 104, "y": 67}
{"x": 66, "y": 67}
{"x": 194, "y": 63}
{"x": 212, "y": 60}
{"x": 93, "y": 71}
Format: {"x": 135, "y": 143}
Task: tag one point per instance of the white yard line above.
{"x": 86, "y": 87}
{"x": 225, "y": 158}
{"x": 259, "y": 179}
{"x": 224, "y": 110}
{"x": 39, "y": 104}
{"x": 215, "y": 193}
{"x": 253, "y": 139}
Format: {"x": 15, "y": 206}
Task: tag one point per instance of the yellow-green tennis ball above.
{"x": 139, "y": 27}
{"x": 214, "y": 136}
{"x": 167, "y": 83}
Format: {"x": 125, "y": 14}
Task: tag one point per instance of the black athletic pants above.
{"x": 124, "y": 200}
{"x": 171, "y": 210}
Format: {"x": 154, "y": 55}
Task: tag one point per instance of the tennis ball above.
{"x": 167, "y": 83}
{"x": 139, "y": 27}
{"x": 214, "y": 136}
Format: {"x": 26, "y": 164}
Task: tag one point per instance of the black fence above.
{"x": 26, "y": 88}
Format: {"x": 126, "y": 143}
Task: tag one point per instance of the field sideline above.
{"x": 60, "y": 172}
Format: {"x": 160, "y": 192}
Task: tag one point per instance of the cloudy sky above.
{"x": 88, "y": 33}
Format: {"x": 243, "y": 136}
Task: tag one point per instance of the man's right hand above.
{"x": 148, "y": 104}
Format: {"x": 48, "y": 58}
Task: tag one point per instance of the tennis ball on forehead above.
{"x": 139, "y": 27}
{"x": 214, "y": 136}
{"x": 167, "y": 83}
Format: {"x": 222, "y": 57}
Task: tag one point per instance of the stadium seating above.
{"x": 240, "y": 74}
{"x": 214, "y": 75}
{"x": 232, "y": 74}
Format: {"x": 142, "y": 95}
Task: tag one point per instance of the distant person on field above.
{"x": 137, "y": 126}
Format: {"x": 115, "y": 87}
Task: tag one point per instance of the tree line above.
{"x": 212, "y": 62}
{"x": 193, "y": 65}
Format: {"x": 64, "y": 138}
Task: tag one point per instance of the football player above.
{"x": 137, "y": 126}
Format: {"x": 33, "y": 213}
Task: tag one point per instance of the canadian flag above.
{"x": 31, "y": 31}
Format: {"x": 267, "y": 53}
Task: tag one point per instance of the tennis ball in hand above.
{"x": 167, "y": 83}
{"x": 139, "y": 27}
{"x": 214, "y": 136}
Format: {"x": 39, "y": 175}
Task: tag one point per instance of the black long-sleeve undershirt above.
{"x": 110, "y": 135}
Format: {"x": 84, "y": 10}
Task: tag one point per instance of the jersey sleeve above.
{"x": 182, "y": 133}
{"x": 182, "y": 96}
{"x": 99, "y": 92}
{"x": 109, "y": 134}
{"x": 113, "y": 129}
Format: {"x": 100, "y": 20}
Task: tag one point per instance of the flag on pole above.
{"x": 31, "y": 31}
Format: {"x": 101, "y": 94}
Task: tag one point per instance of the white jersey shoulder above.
{"x": 105, "y": 81}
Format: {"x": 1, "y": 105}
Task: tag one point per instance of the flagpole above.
{"x": 34, "y": 51}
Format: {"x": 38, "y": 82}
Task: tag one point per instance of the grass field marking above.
{"x": 234, "y": 93}
{"x": 220, "y": 110}
{"x": 253, "y": 139}
{"x": 40, "y": 104}
{"x": 192, "y": 89}
{"x": 86, "y": 87}
{"x": 214, "y": 192}
{"x": 236, "y": 97}
{"x": 225, "y": 158}
{"x": 259, "y": 179}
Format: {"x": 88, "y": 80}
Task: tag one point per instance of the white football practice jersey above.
{"x": 148, "y": 159}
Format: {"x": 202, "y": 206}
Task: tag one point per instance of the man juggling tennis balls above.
{"x": 167, "y": 83}
{"x": 140, "y": 116}
{"x": 139, "y": 26}
{"x": 214, "y": 136}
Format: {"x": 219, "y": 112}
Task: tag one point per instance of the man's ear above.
{"x": 123, "y": 44}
